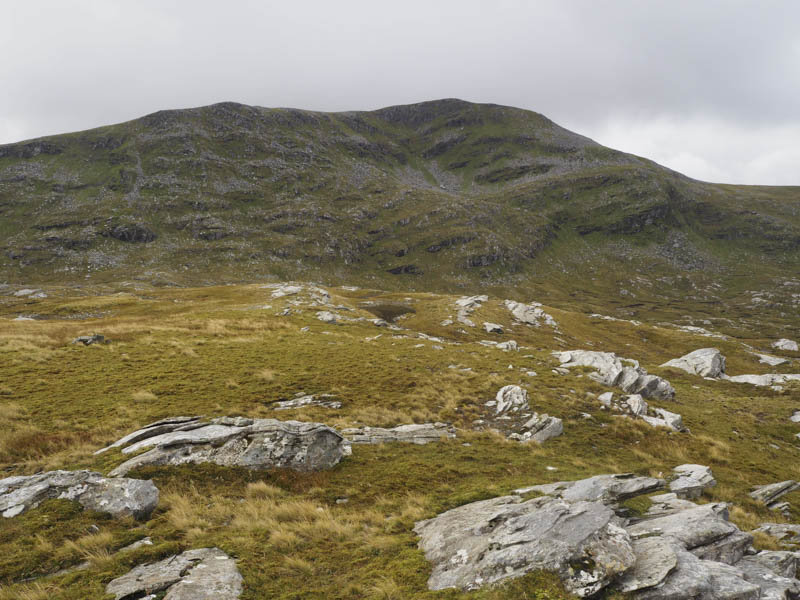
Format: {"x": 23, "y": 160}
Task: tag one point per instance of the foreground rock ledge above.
{"x": 234, "y": 442}
{"x": 203, "y": 574}
{"x": 118, "y": 497}
{"x": 677, "y": 550}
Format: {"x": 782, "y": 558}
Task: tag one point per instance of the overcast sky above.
{"x": 709, "y": 88}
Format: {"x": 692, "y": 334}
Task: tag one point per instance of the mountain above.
{"x": 444, "y": 196}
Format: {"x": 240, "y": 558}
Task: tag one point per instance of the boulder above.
{"x": 773, "y": 573}
{"x": 620, "y": 372}
{"x": 307, "y": 400}
{"x": 665, "y": 418}
{"x": 530, "y": 314}
{"x": 635, "y": 406}
{"x": 784, "y": 344}
{"x": 511, "y": 399}
{"x": 690, "y": 480}
{"x": 706, "y": 362}
{"x": 770, "y": 494}
{"x": 422, "y": 433}
{"x": 795, "y": 418}
{"x": 765, "y": 380}
{"x": 88, "y": 340}
{"x": 203, "y": 574}
{"x": 236, "y": 441}
{"x": 492, "y": 328}
{"x": 466, "y": 305}
{"x": 508, "y": 346}
{"x": 772, "y": 361}
{"x": 608, "y": 489}
{"x": 326, "y": 316}
{"x": 491, "y": 540}
{"x": 788, "y": 534}
{"x": 118, "y": 497}
{"x": 655, "y": 559}
{"x": 539, "y": 428}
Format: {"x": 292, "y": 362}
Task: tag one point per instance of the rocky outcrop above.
{"x": 770, "y": 494}
{"x": 203, "y": 574}
{"x": 326, "y": 316}
{"x": 772, "y": 361}
{"x": 635, "y": 406}
{"x": 765, "y": 380}
{"x": 484, "y": 542}
{"x": 118, "y": 497}
{"x": 680, "y": 550}
{"x": 88, "y": 340}
{"x": 690, "y": 480}
{"x": 233, "y": 441}
{"x": 530, "y": 314}
{"x": 422, "y": 433}
{"x": 466, "y": 305}
{"x": 539, "y": 428}
{"x": 788, "y": 534}
{"x": 612, "y": 370}
{"x": 608, "y": 489}
{"x": 705, "y": 362}
{"x": 492, "y": 328}
{"x": 784, "y": 344}
{"x": 307, "y": 400}
{"x": 509, "y": 399}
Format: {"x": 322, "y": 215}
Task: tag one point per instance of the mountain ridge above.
{"x": 443, "y": 195}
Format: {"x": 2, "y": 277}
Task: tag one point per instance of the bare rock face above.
{"x": 422, "y": 433}
{"x": 784, "y": 344}
{"x": 510, "y": 399}
{"x": 466, "y": 305}
{"x": 539, "y": 428}
{"x": 608, "y": 489}
{"x": 706, "y": 362}
{"x": 118, "y": 497}
{"x": 307, "y": 400}
{"x": 612, "y": 370}
{"x": 492, "y": 328}
{"x": 530, "y": 314}
{"x": 765, "y": 380}
{"x": 788, "y": 534}
{"x": 690, "y": 480}
{"x": 770, "y": 494}
{"x": 484, "y": 542}
{"x": 203, "y": 574}
{"x": 234, "y": 441}
{"x": 678, "y": 550}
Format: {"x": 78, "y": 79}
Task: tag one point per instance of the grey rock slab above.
{"x": 690, "y": 480}
{"x": 151, "y": 430}
{"x": 705, "y": 362}
{"x": 118, "y": 497}
{"x": 693, "y": 528}
{"x": 765, "y": 380}
{"x": 620, "y": 372}
{"x": 795, "y": 418}
{"x": 784, "y": 344}
{"x": 772, "y": 585}
{"x": 326, "y": 316}
{"x": 770, "y": 493}
{"x": 772, "y": 361}
{"x": 780, "y": 562}
{"x": 666, "y": 504}
{"x": 655, "y": 559}
{"x": 492, "y": 328}
{"x": 306, "y": 401}
{"x": 785, "y": 532}
{"x": 202, "y": 574}
{"x": 416, "y": 433}
{"x": 608, "y": 489}
{"x": 488, "y": 541}
{"x": 540, "y": 428}
{"x": 696, "y": 579}
{"x": 530, "y": 314}
{"x": 511, "y": 399}
{"x": 251, "y": 443}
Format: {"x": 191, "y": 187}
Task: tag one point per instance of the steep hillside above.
{"x": 437, "y": 196}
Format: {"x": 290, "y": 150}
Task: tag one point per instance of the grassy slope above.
{"x": 220, "y": 351}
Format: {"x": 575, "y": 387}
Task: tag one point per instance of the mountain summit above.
{"x": 444, "y": 195}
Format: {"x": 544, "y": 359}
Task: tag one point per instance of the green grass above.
{"x": 216, "y": 351}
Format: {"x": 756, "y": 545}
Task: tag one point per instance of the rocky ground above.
{"x": 292, "y": 440}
